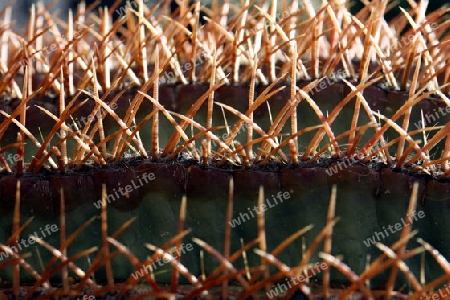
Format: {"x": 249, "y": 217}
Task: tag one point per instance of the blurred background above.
{"x": 21, "y": 8}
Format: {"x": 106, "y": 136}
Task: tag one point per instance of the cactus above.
{"x": 261, "y": 132}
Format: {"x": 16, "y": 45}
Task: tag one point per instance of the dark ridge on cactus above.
{"x": 261, "y": 150}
